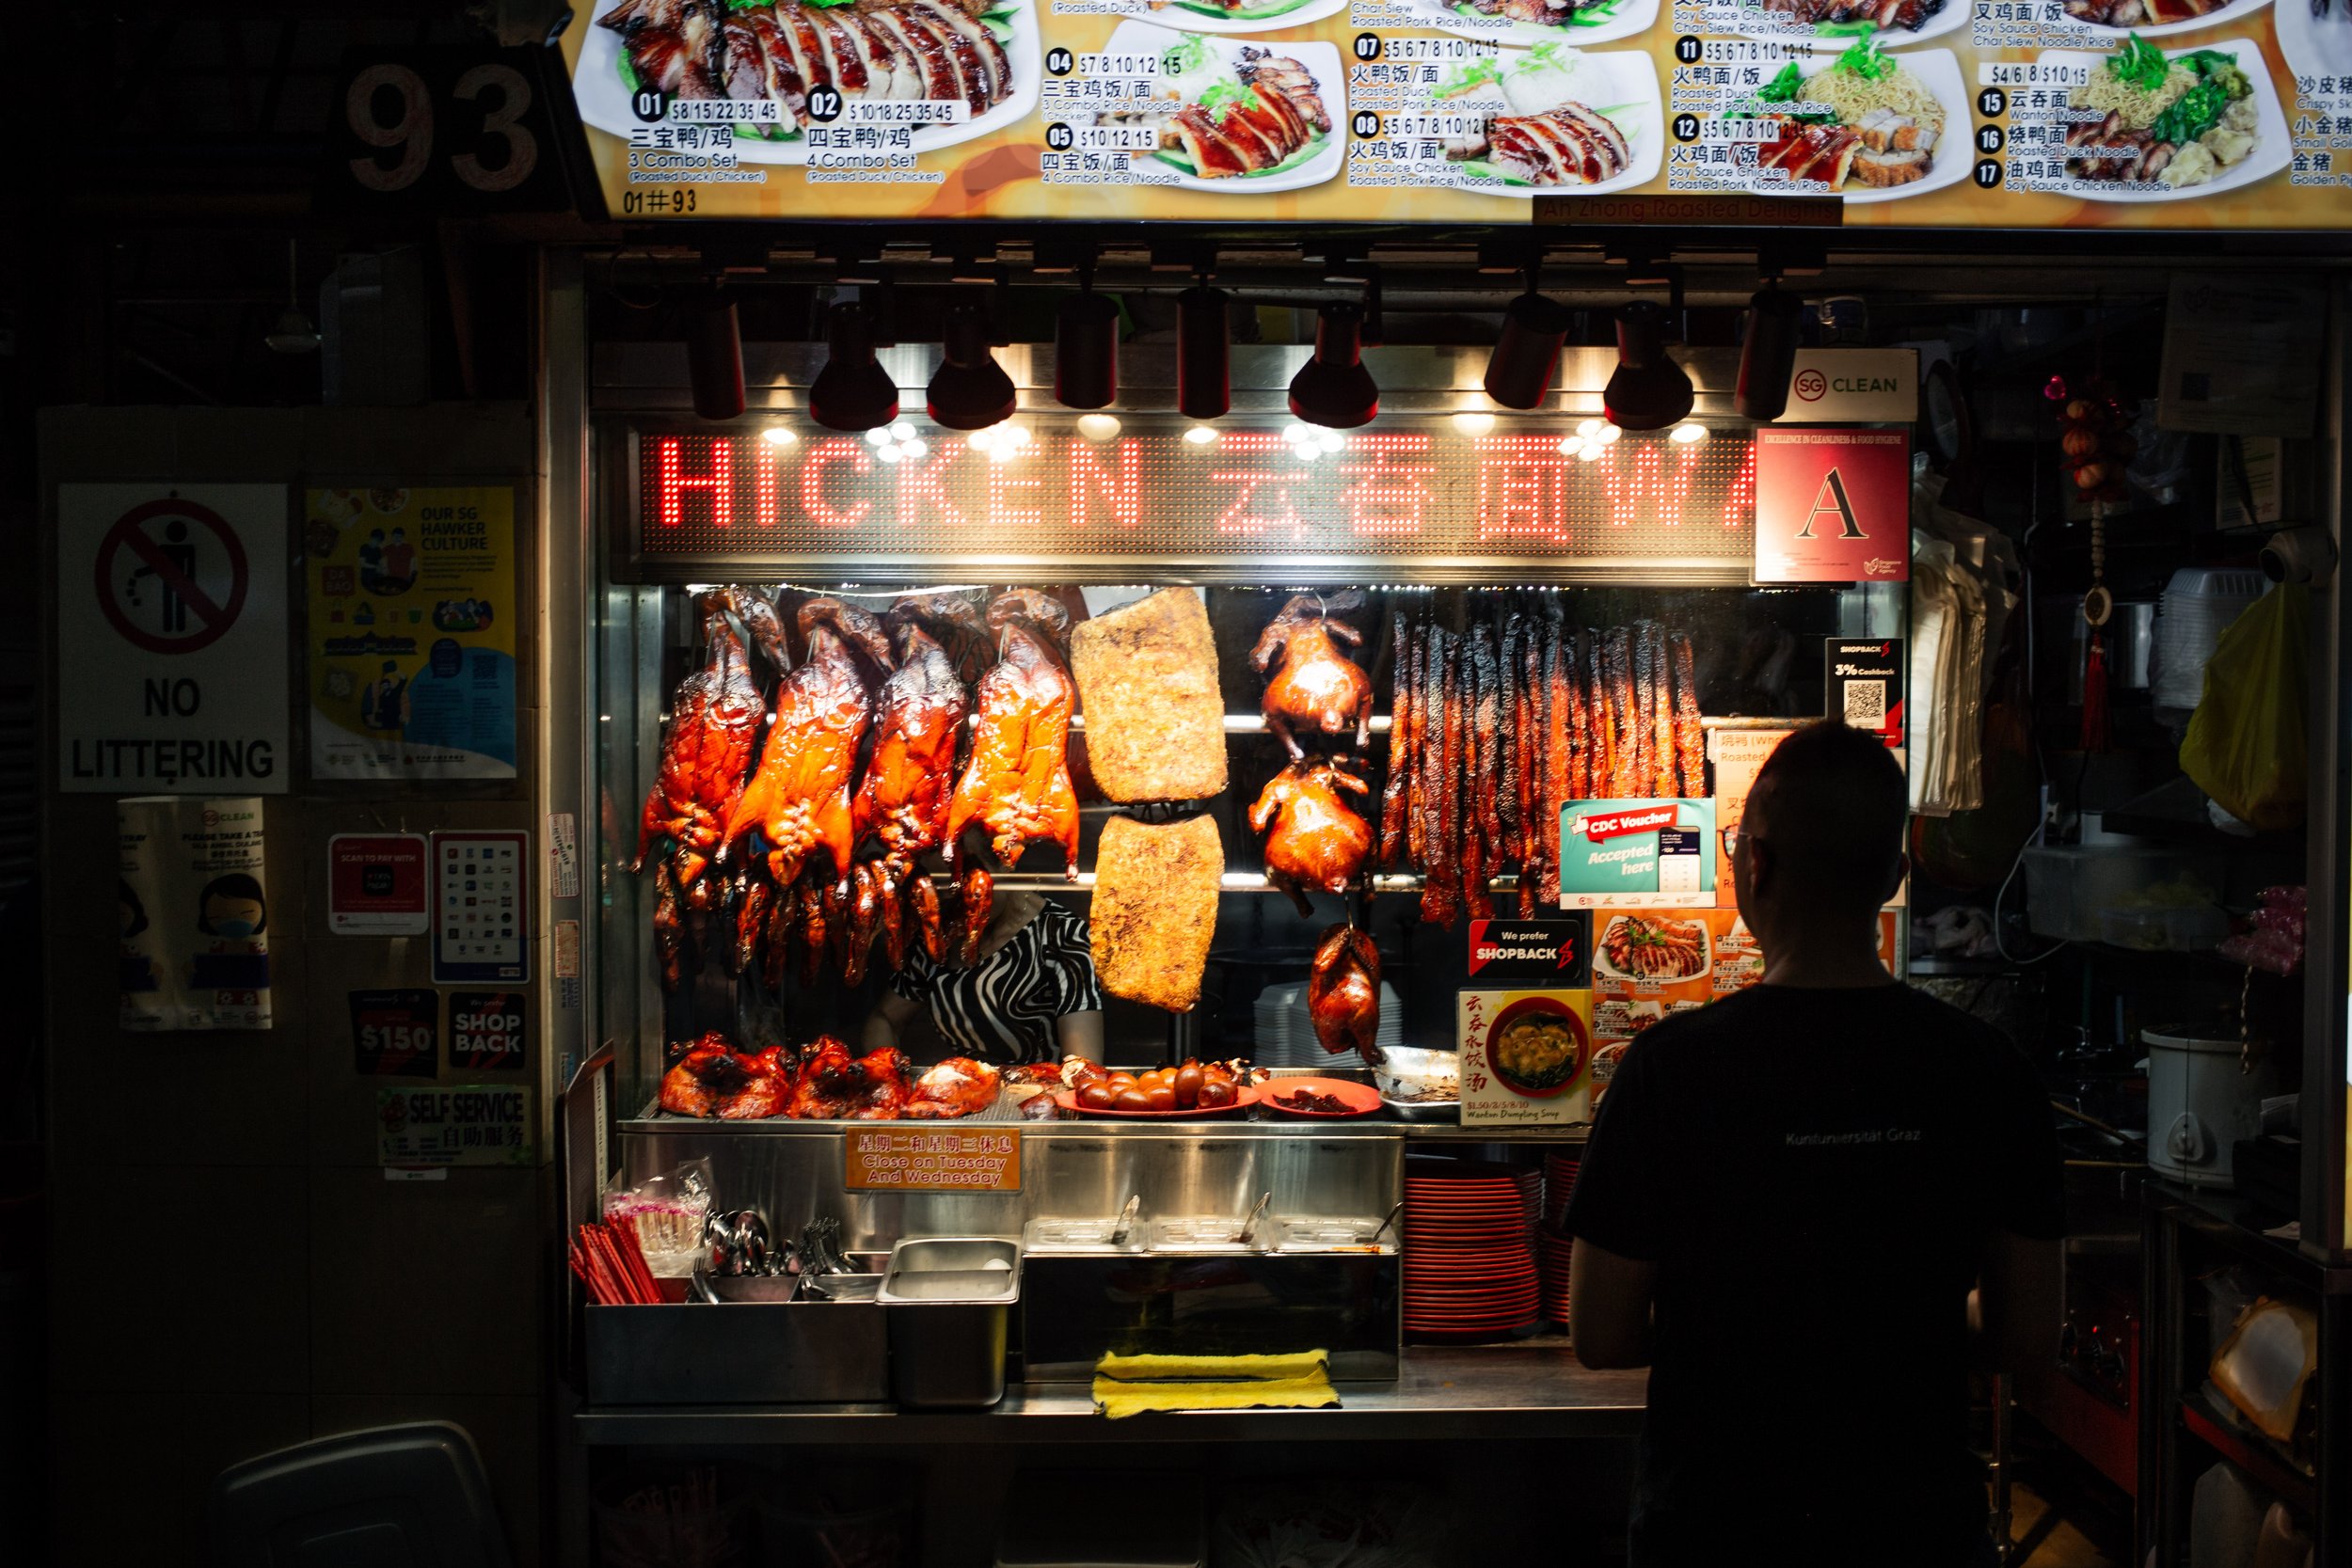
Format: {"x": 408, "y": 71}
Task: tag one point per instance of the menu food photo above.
{"x": 2230, "y": 115}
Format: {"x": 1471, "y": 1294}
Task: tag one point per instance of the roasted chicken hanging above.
{"x": 1017, "y": 785}
{"x": 799, "y": 797}
{"x": 833, "y": 1086}
{"x": 713, "y": 1078}
{"x": 714, "y": 719}
{"x": 919, "y": 719}
{"x": 1317, "y": 842}
{"x": 1312, "y": 685}
{"x": 958, "y": 1087}
{"x": 1343, "y": 992}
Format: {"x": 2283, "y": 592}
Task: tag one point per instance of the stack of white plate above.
{"x": 1285, "y": 1030}
{"x": 2199, "y": 604}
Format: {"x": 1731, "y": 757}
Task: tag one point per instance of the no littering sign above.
{"x": 173, "y": 639}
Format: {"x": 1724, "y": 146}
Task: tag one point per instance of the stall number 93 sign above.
{"x": 450, "y": 130}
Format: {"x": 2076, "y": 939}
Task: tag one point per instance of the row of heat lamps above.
{"x": 1333, "y": 391}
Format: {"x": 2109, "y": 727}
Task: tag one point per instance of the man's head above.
{"x": 1820, "y": 841}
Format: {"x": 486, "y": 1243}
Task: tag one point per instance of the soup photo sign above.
{"x": 1527, "y": 1056}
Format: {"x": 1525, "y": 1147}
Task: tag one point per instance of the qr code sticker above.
{"x": 1865, "y": 704}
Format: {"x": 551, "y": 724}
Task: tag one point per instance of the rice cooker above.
{"x": 2200, "y": 1101}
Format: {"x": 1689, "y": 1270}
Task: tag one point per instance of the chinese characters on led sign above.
{"x": 1500, "y": 494}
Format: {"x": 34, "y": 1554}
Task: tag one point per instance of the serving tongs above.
{"x": 1251, "y": 1226}
{"x": 1126, "y": 1222}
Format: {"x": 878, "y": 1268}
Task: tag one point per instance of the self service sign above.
{"x": 171, "y": 638}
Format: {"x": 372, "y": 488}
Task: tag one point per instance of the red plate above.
{"x": 1362, "y": 1098}
{"x": 1243, "y": 1097}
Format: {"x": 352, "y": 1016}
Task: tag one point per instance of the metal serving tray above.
{"x": 738, "y": 1353}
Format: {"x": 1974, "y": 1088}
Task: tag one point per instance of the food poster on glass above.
{"x": 1613, "y": 853}
{"x": 1526, "y": 1055}
{"x": 1651, "y": 964}
{"x": 1737, "y": 756}
{"x": 194, "y": 926}
{"x": 412, "y": 613}
{"x": 2013, "y": 114}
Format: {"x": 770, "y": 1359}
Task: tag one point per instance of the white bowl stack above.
{"x": 2199, "y": 604}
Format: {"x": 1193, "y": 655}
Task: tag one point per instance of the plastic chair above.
{"x": 397, "y": 1497}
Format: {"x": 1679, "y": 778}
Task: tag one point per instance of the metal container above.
{"x": 737, "y": 1353}
{"x": 949, "y": 1302}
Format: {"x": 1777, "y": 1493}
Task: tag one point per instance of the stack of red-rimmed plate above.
{"x": 1551, "y": 1241}
{"x": 1551, "y": 1254}
{"x": 1559, "y": 1182}
{"x": 1469, "y": 1270}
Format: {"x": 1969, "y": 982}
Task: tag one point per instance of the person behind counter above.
{"x": 1799, "y": 1202}
{"x": 1030, "y": 996}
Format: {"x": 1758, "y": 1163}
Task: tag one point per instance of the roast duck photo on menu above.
{"x": 838, "y": 787}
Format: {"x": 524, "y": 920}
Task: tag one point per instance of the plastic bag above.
{"x": 668, "y": 1212}
{"x": 2273, "y": 938}
{"x": 2245, "y": 745}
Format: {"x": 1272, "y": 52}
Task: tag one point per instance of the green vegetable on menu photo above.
{"x": 2175, "y": 121}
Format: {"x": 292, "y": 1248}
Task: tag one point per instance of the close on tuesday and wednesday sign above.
{"x": 173, "y": 599}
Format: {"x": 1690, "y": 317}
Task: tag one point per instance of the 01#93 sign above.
{"x": 171, "y": 637}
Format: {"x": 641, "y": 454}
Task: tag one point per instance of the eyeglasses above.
{"x": 1731, "y": 839}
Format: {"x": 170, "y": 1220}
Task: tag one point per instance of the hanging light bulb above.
{"x": 1649, "y": 391}
{"x": 1085, "y": 350}
{"x": 1519, "y": 370}
{"x": 1203, "y": 353}
{"x": 714, "y": 355}
{"x": 852, "y": 391}
{"x": 970, "y": 391}
{"x": 1768, "y": 356}
{"x": 1332, "y": 389}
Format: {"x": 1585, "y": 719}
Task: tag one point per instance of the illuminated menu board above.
{"x": 1657, "y": 505}
{"x": 2014, "y": 114}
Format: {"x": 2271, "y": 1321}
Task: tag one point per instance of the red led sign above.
{"x": 1547, "y": 499}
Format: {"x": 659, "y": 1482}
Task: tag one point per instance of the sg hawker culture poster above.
{"x": 412, "y": 614}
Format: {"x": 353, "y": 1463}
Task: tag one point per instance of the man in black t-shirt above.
{"x": 1810, "y": 1209}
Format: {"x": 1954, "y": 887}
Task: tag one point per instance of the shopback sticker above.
{"x": 487, "y": 1030}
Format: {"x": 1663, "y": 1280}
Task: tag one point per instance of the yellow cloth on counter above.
{"x": 1147, "y": 1368}
{"x": 1131, "y": 1385}
{"x": 1115, "y": 1398}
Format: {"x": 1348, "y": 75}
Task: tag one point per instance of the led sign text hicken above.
{"x": 1507, "y": 494}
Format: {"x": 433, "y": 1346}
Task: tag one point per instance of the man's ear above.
{"x": 1902, "y": 869}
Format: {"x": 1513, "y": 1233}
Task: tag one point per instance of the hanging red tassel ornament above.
{"x": 2094, "y": 435}
{"x": 2095, "y": 735}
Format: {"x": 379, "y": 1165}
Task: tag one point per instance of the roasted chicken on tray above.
{"x": 1311, "y": 684}
{"x": 958, "y": 1087}
{"x": 833, "y": 1086}
{"x": 1317, "y": 843}
{"x": 713, "y": 1078}
{"x": 799, "y": 799}
{"x": 1017, "y": 785}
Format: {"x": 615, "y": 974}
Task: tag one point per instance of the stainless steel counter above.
{"x": 1248, "y": 1124}
{"x": 1533, "y": 1389}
